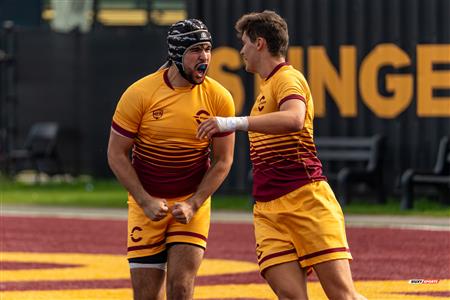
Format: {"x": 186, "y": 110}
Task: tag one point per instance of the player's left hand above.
{"x": 182, "y": 212}
{"x": 208, "y": 128}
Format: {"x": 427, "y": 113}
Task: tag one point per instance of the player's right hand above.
{"x": 155, "y": 208}
{"x": 208, "y": 128}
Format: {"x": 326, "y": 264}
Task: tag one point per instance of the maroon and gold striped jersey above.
{"x": 283, "y": 162}
{"x": 168, "y": 158}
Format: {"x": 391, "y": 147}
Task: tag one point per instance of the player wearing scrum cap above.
{"x": 170, "y": 178}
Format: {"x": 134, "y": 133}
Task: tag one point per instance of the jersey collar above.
{"x": 276, "y": 69}
{"x": 167, "y": 81}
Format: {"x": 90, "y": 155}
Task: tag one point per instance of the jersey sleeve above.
{"x": 128, "y": 114}
{"x": 289, "y": 86}
{"x": 226, "y": 105}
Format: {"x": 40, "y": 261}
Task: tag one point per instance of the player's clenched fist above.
{"x": 182, "y": 212}
{"x": 155, "y": 208}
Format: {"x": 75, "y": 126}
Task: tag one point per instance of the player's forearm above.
{"x": 126, "y": 175}
{"x": 211, "y": 181}
{"x": 272, "y": 123}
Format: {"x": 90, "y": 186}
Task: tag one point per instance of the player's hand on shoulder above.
{"x": 182, "y": 212}
{"x": 155, "y": 208}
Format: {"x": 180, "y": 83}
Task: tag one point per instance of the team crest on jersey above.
{"x": 262, "y": 102}
{"x": 201, "y": 116}
{"x": 134, "y": 236}
{"x": 157, "y": 114}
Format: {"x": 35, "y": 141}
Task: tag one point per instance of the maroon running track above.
{"x": 379, "y": 253}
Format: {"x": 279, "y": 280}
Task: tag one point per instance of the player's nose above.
{"x": 203, "y": 55}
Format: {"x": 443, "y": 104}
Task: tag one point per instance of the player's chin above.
{"x": 249, "y": 69}
{"x": 199, "y": 80}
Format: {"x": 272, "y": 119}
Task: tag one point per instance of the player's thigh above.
{"x": 287, "y": 280}
{"x": 148, "y": 283}
{"x": 336, "y": 278}
{"x": 183, "y": 261}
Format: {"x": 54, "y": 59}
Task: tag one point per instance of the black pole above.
{"x": 95, "y": 5}
{"x": 11, "y": 84}
{"x": 3, "y": 152}
{"x": 149, "y": 13}
{"x": 8, "y": 91}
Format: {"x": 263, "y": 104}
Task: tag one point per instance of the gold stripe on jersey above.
{"x": 168, "y": 158}
{"x": 283, "y": 162}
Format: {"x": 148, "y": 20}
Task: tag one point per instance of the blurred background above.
{"x": 379, "y": 72}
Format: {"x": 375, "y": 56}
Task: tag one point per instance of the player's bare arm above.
{"x": 119, "y": 161}
{"x": 290, "y": 118}
{"x": 222, "y": 148}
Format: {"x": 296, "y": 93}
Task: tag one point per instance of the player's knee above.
{"x": 142, "y": 293}
{"x": 341, "y": 290}
{"x": 341, "y": 294}
{"x": 181, "y": 289}
{"x": 289, "y": 291}
{"x": 290, "y": 295}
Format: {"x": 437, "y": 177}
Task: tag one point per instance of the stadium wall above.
{"x": 373, "y": 66}
{"x": 76, "y": 80}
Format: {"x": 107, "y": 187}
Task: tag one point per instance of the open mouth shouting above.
{"x": 201, "y": 70}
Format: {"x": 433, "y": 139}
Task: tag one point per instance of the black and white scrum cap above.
{"x": 183, "y": 35}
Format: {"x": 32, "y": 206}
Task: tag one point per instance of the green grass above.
{"x": 108, "y": 193}
{"x": 97, "y": 193}
{"x": 81, "y": 194}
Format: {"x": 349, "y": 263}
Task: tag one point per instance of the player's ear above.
{"x": 260, "y": 42}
